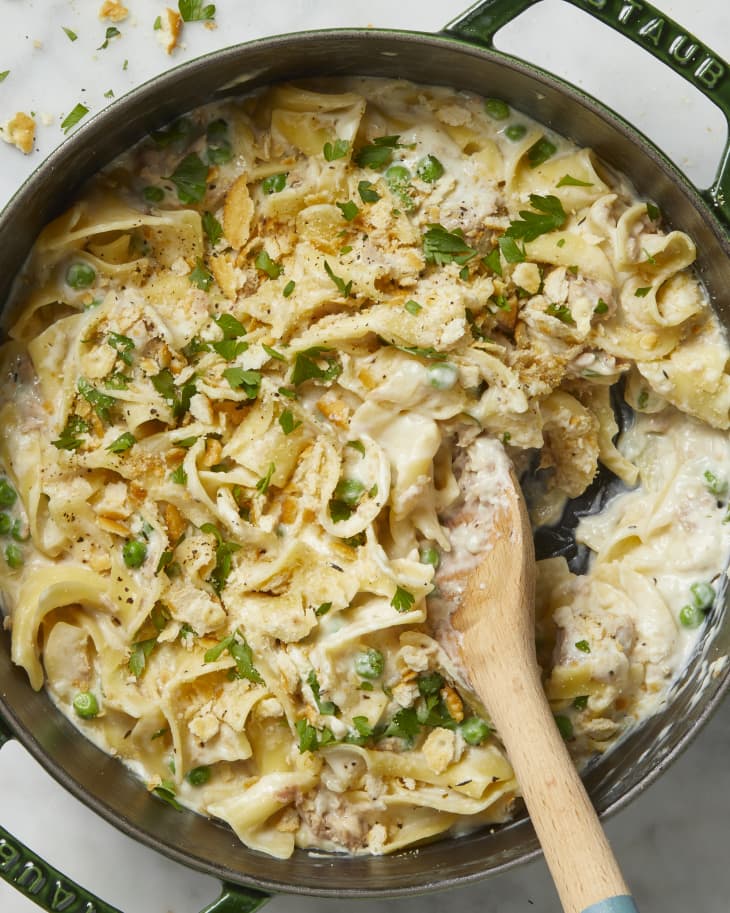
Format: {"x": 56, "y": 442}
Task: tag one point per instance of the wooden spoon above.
{"x": 496, "y": 618}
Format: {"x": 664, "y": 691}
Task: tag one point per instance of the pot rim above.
{"x": 61, "y": 159}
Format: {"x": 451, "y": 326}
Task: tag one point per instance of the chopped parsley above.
{"x": 402, "y": 600}
{"x": 122, "y": 443}
{"x": 642, "y": 292}
{"x": 72, "y": 36}
{"x": 550, "y": 216}
{"x": 349, "y": 210}
{"x": 69, "y": 439}
{"x": 441, "y": 246}
{"x": 561, "y": 312}
{"x": 153, "y": 194}
{"x": 289, "y": 288}
{"x": 336, "y": 150}
{"x": 123, "y": 346}
{"x": 230, "y": 326}
{"x": 413, "y": 307}
{"x": 653, "y": 211}
{"x": 310, "y": 739}
{"x": 177, "y": 398}
{"x": 200, "y": 276}
{"x": 715, "y": 485}
{"x": 100, "y": 401}
{"x": 326, "y": 708}
{"x": 511, "y": 251}
{"x": 367, "y": 193}
{"x": 263, "y": 483}
{"x": 493, "y": 261}
{"x": 240, "y": 379}
{"x": 357, "y": 445}
{"x": 404, "y": 725}
{"x": 583, "y": 646}
{"x": 322, "y": 609}
{"x": 378, "y": 154}
{"x": 344, "y": 288}
{"x": 601, "y": 307}
{"x": 274, "y": 183}
{"x": 287, "y": 421}
{"x": 264, "y": 263}
{"x": 272, "y": 353}
{"x": 223, "y": 560}
{"x": 567, "y": 180}
{"x": 190, "y": 179}
{"x": 212, "y": 228}
{"x": 111, "y": 32}
{"x": 141, "y": 652}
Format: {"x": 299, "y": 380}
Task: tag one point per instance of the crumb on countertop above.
{"x": 19, "y": 131}
{"x": 113, "y": 10}
{"x": 170, "y": 28}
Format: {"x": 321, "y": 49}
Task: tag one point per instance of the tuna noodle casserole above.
{"x": 254, "y": 369}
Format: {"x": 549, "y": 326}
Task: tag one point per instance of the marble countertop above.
{"x": 673, "y": 841}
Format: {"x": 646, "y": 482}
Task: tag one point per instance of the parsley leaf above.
{"x": 511, "y": 250}
{"x": 243, "y": 656}
{"x": 550, "y": 216}
{"x": 567, "y": 180}
{"x": 263, "y": 483}
{"x": 190, "y": 179}
{"x": 72, "y": 36}
{"x": 228, "y": 349}
{"x": 73, "y": 117}
{"x": 140, "y": 654}
{"x": 123, "y": 346}
{"x": 306, "y": 366}
{"x": 272, "y": 353}
{"x": 264, "y": 262}
{"x": 413, "y": 307}
{"x": 195, "y": 11}
{"x": 562, "y": 312}
{"x": 540, "y": 152}
{"x": 326, "y": 708}
{"x": 404, "y": 725}
{"x": 642, "y": 292}
{"x": 336, "y": 150}
{"x": 653, "y": 211}
{"x": 122, "y": 443}
{"x": 212, "y": 228}
{"x": 377, "y": 154}
{"x": 349, "y": 210}
{"x": 402, "y": 600}
{"x": 177, "y": 398}
{"x": 344, "y": 288}
{"x": 288, "y": 422}
{"x": 493, "y": 261}
{"x": 367, "y": 193}
{"x": 200, "y": 276}
{"x": 441, "y": 246}
{"x": 231, "y": 327}
{"x": 100, "y": 401}
{"x": 69, "y": 440}
{"x": 289, "y": 288}
{"x": 248, "y": 381}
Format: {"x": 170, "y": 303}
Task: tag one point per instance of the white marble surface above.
{"x": 673, "y": 841}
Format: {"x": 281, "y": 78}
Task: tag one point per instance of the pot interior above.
{"x": 103, "y": 783}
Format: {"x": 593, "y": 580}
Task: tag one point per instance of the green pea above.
{"x": 474, "y": 730}
{"x": 370, "y": 664}
{"x": 80, "y": 275}
{"x": 496, "y": 108}
{"x": 8, "y": 494}
{"x": 703, "y": 595}
{"x": 14, "y": 556}
{"x": 274, "y": 183}
{"x": 515, "y": 132}
{"x": 198, "y": 776}
{"x": 443, "y": 376}
{"x": 397, "y": 176}
{"x": 86, "y": 705}
{"x": 429, "y": 169}
{"x": 429, "y": 554}
{"x": 349, "y": 491}
{"x": 134, "y": 553}
{"x": 690, "y": 616}
{"x": 6, "y": 524}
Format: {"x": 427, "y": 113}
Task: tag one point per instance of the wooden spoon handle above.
{"x": 584, "y": 869}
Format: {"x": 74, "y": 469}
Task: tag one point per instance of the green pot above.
{"x": 462, "y": 56}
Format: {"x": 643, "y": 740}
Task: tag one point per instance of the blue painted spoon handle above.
{"x": 623, "y": 903}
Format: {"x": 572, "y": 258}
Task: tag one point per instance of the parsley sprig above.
{"x": 549, "y": 216}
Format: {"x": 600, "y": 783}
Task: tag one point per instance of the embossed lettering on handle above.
{"x": 647, "y": 27}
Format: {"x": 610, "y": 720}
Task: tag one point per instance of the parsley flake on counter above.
{"x": 402, "y": 600}
{"x": 73, "y": 117}
{"x": 111, "y": 32}
{"x": 72, "y": 36}
{"x": 196, "y": 10}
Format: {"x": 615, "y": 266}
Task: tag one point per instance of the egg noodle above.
{"x": 252, "y": 370}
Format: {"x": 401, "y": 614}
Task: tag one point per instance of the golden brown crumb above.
{"x": 171, "y": 27}
{"x": 113, "y": 10}
{"x": 19, "y": 131}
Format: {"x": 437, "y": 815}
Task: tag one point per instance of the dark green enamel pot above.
{"x": 462, "y": 56}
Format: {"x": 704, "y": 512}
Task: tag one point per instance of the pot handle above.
{"x": 53, "y": 891}
{"x": 646, "y": 26}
